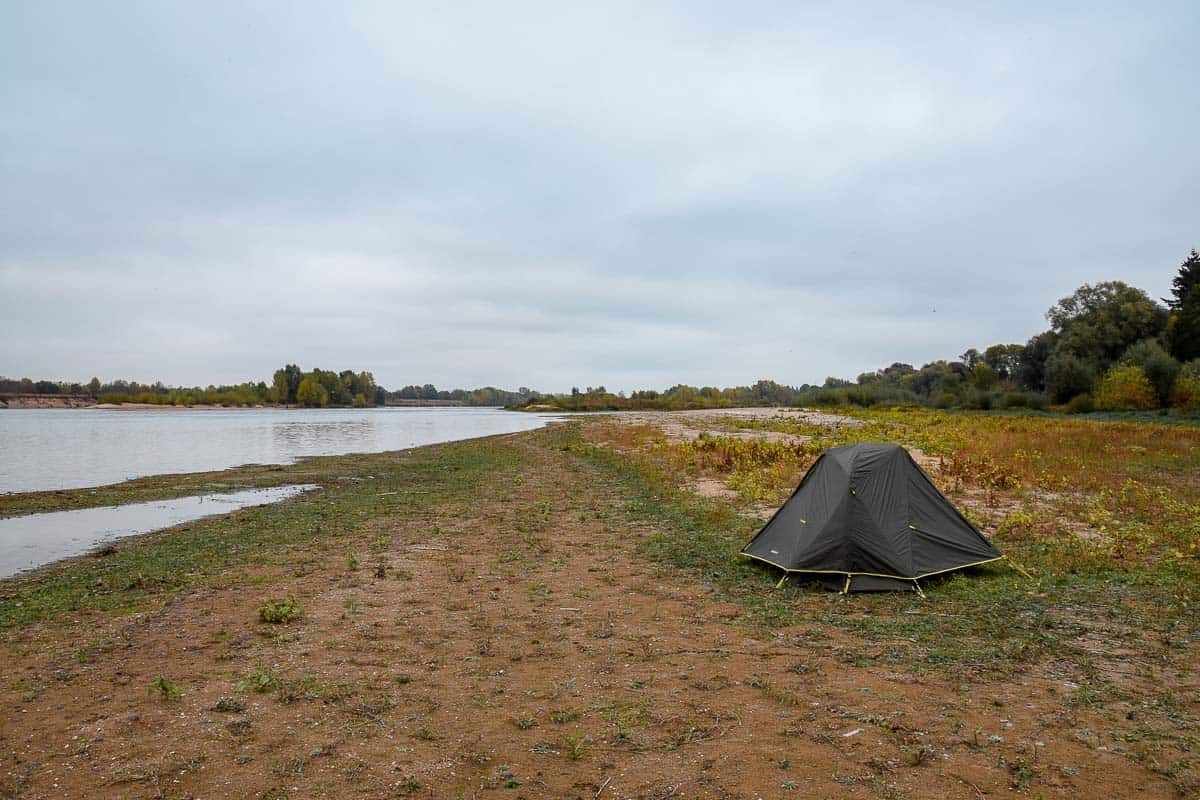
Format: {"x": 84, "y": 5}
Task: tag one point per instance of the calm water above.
{"x": 38, "y": 539}
{"x": 72, "y": 448}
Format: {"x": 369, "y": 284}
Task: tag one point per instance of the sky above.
{"x": 555, "y": 194}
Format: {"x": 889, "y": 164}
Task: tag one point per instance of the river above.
{"x": 76, "y": 448}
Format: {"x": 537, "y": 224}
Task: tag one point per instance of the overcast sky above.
{"x": 526, "y": 194}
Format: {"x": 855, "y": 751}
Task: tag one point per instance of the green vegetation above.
{"x": 344, "y": 388}
{"x": 1107, "y": 341}
{"x": 261, "y": 679}
{"x": 484, "y": 396}
{"x": 677, "y": 398}
{"x": 280, "y": 612}
{"x": 290, "y": 385}
{"x": 165, "y": 688}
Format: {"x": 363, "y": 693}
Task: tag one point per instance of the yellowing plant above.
{"x": 1126, "y": 388}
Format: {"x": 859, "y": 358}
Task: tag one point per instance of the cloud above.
{"x": 547, "y": 195}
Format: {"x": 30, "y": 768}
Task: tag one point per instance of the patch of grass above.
{"x": 261, "y": 679}
{"x": 408, "y": 786}
{"x": 574, "y": 747}
{"x": 426, "y": 734}
{"x": 165, "y": 688}
{"x": 280, "y": 611}
{"x": 561, "y": 716}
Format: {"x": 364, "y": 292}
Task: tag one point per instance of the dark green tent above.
{"x": 866, "y": 517}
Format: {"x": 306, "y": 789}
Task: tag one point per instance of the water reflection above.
{"x": 73, "y": 448}
{"x": 36, "y": 539}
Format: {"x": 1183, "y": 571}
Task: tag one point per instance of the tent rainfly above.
{"x": 867, "y": 518}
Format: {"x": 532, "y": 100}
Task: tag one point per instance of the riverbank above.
{"x": 557, "y": 613}
{"x": 46, "y": 401}
{"x": 85, "y": 401}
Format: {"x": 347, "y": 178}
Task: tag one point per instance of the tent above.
{"x": 866, "y": 517}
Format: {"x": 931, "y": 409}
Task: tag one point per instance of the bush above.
{"x": 1186, "y": 396}
{"x": 1015, "y": 400}
{"x": 1160, "y": 369}
{"x": 1081, "y": 404}
{"x": 1126, "y": 388}
{"x": 982, "y": 400}
{"x": 279, "y": 612}
{"x": 165, "y": 688}
{"x": 1036, "y": 400}
{"x": 1067, "y": 376}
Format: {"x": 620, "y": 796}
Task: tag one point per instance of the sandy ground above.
{"x": 690, "y": 424}
{"x": 517, "y": 647}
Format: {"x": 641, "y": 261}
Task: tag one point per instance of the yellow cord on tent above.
{"x": 1017, "y": 567}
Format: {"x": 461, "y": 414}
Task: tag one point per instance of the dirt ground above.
{"x": 516, "y": 645}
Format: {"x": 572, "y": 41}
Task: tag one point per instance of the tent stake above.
{"x": 846, "y": 588}
{"x": 782, "y": 581}
{"x": 917, "y": 586}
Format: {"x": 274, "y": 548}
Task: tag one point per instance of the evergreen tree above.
{"x": 1183, "y": 330}
{"x": 1183, "y": 283}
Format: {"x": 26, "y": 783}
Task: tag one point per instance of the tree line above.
{"x": 680, "y": 397}
{"x": 289, "y": 386}
{"x": 1110, "y": 346}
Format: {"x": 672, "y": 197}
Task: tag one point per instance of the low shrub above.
{"x": 1081, "y": 404}
{"x": 1186, "y": 396}
{"x": 261, "y": 680}
{"x": 1015, "y": 400}
{"x": 280, "y": 611}
{"x": 1126, "y": 387}
{"x": 165, "y": 688}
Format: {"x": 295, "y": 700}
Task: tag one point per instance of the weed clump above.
{"x": 165, "y": 688}
{"x": 260, "y": 680}
{"x": 280, "y": 612}
{"x": 227, "y": 705}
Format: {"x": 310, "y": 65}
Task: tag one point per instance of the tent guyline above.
{"x": 866, "y": 517}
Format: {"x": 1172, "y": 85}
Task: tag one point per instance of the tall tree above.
{"x": 1099, "y": 322}
{"x": 1184, "y": 327}
{"x": 311, "y": 393}
{"x": 1004, "y": 358}
{"x": 1031, "y": 373}
{"x": 1184, "y": 282}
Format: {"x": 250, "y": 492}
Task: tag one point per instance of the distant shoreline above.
{"x": 33, "y": 401}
